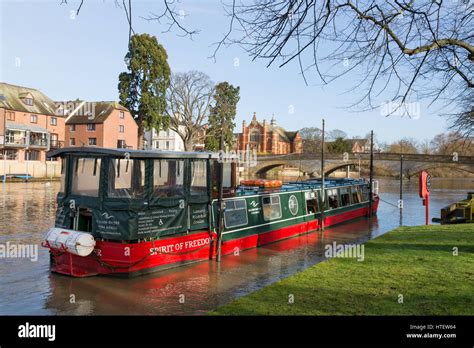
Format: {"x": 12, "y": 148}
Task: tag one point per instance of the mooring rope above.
{"x": 395, "y": 205}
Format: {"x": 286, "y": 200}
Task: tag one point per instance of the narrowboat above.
{"x": 129, "y": 212}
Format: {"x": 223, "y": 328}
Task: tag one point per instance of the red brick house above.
{"x": 268, "y": 138}
{"x": 29, "y": 124}
{"x": 102, "y": 124}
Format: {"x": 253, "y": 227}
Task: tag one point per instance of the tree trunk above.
{"x": 141, "y": 138}
{"x": 188, "y": 145}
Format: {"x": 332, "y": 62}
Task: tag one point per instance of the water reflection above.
{"x": 27, "y": 210}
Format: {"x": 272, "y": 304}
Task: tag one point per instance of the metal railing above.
{"x": 15, "y": 141}
{"x": 56, "y": 144}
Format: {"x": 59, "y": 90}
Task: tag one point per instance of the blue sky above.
{"x": 45, "y": 46}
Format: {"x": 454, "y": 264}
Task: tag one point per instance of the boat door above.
{"x": 312, "y": 208}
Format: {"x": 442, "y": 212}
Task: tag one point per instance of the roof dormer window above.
{"x": 27, "y": 98}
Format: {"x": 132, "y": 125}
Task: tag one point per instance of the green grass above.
{"x": 416, "y": 262}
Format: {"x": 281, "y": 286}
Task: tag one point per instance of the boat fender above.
{"x": 74, "y": 242}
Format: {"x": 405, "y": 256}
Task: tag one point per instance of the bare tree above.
{"x": 462, "y": 123}
{"x": 188, "y": 102}
{"x": 408, "y": 49}
{"x": 404, "y": 50}
{"x": 449, "y": 143}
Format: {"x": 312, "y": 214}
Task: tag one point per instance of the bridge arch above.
{"x": 339, "y": 166}
{"x": 264, "y": 169}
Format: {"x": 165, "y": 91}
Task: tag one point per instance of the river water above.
{"x": 28, "y": 288}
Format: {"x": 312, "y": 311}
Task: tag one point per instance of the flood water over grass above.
{"x": 27, "y": 210}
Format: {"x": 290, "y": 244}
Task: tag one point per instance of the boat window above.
{"x": 198, "y": 178}
{"x": 345, "y": 196}
{"x": 271, "y": 207}
{"x": 356, "y": 194}
{"x": 86, "y": 176}
{"x": 62, "y": 180}
{"x": 332, "y": 199}
{"x": 127, "y": 178}
{"x": 235, "y": 213}
{"x": 365, "y": 192}
{"x": 168, "y": 178}
{"x": 312, "y": 202}
{"x": 227, "y": 175}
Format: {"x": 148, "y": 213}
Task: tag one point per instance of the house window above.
{"x": 72, "y": 141}
{"x": 34, "y": 119}
{"x": 54, "y": 121}
{"x": 72, "y": 127}
{"x": 9, "y": 154}
{"x": 28, "y": 101}
{"x": 32, "y": 155}
{"x": 121, "y": 129}
{"x": 235, "y": 214}
{"x": 53, "y": 140}
{"x": 10, "y": 116}
{"x": 91, "y": 127}
{"x": 121, "y": 144}
{"x": 271, "y": 207}
{"x": 255, "y": 136}
{"x": 92, "y": 141}
{"x": 122, "y": 114}
{"x": 167, "y": 145}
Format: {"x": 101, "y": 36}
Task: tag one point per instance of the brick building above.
{"x": 29, "y": 124}
{"x": 103, "y": 124}
{"x": 268, "y": 138}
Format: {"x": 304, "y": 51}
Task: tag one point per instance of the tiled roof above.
{"x": 94, "y": 112}
{"x": 10, "y": 98}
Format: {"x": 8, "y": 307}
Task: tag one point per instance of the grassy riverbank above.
{"x": 414, "y": 262}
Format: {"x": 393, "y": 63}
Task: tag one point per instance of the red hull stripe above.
{"x": 129, "y": 259}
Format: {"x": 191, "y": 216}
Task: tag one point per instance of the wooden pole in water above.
{"x": 322, "y": 195}
{"x": 400, "y": 204}
{"x": 4, "y": 166}
{"x": 221, "y": 200}
{"x": 371, "y": 179}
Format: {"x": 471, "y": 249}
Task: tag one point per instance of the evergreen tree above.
{"x": 222, "y": 115}
{"x": 143, "y": 88}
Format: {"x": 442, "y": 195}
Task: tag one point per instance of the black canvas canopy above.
{"x": 132, "y": 153}
{"x": 121, "y": 194}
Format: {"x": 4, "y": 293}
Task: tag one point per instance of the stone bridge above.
{"x": 310, "y": 164}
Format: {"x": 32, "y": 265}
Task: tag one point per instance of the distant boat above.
{"x": 459, "y": 212}
{"x": 16, "y": 176}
